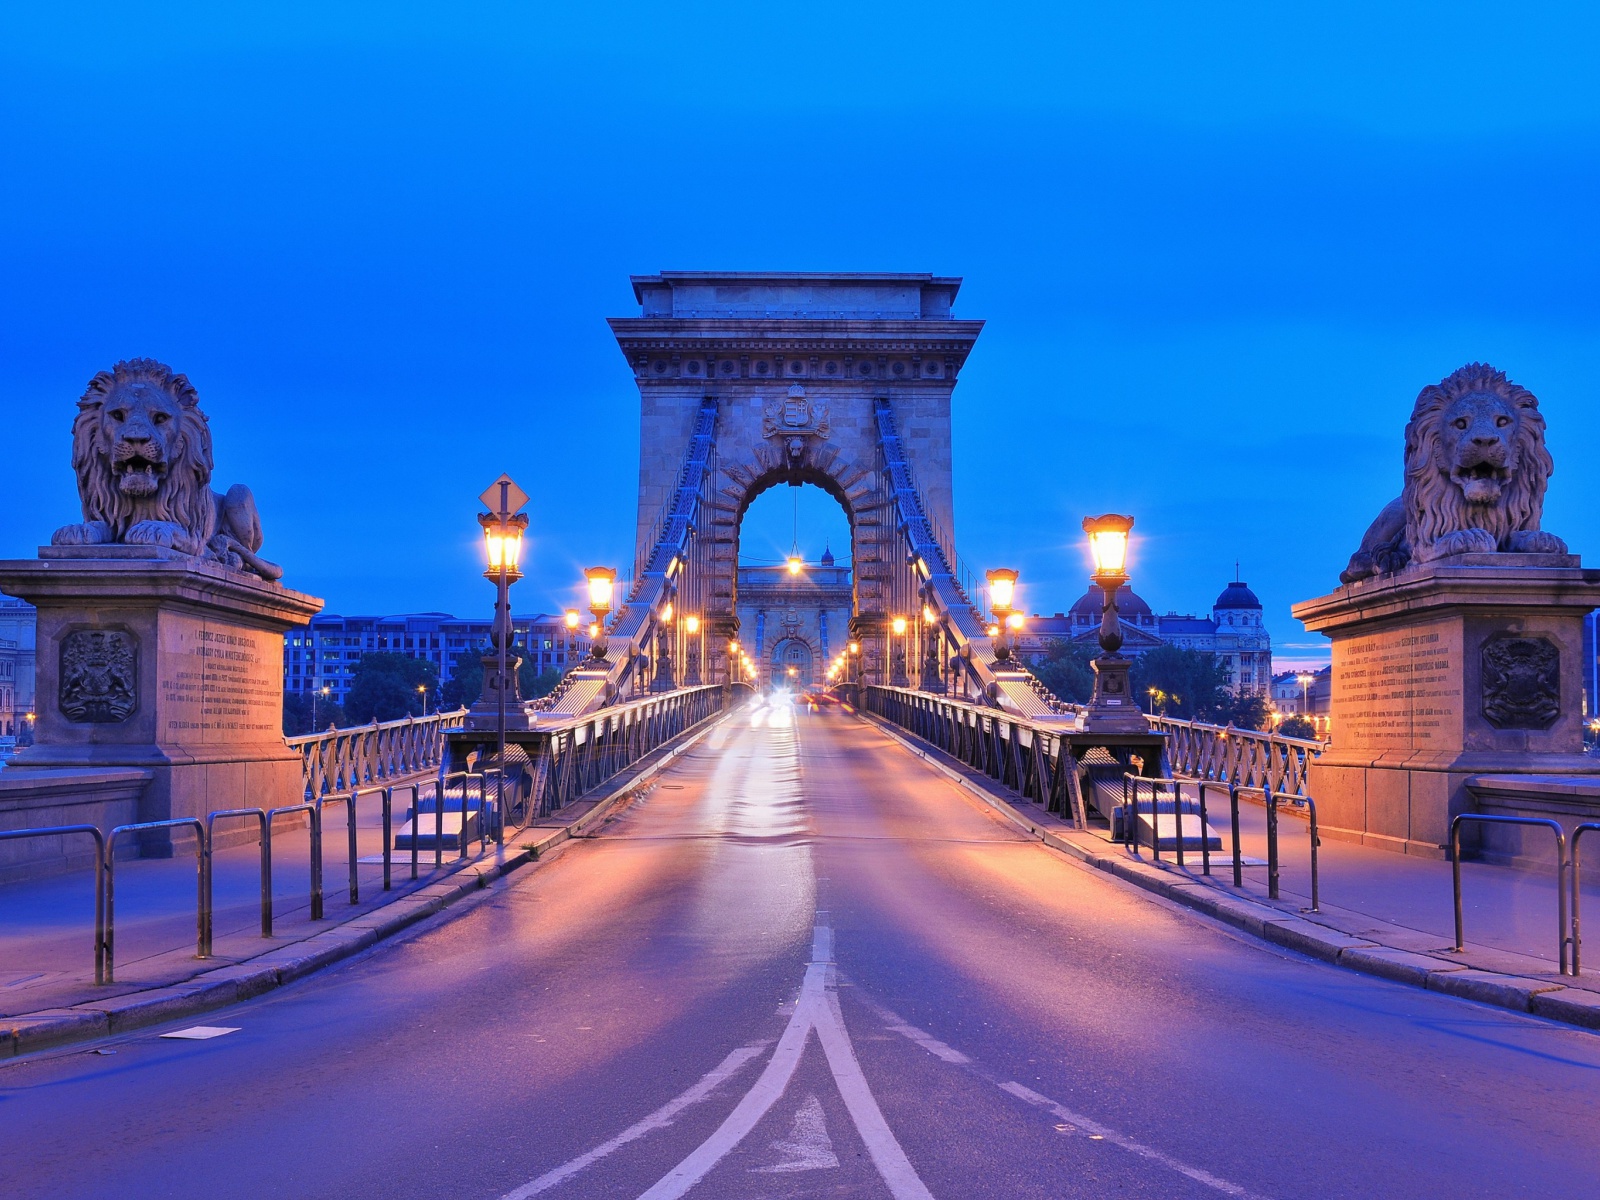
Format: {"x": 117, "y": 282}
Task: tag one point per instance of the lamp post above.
{"x": 854, "y": 676}
{"x": 572, "y": 619}
{"x": 932, "y": 681}
{"x": 663, "y": 681}
{"x": 422, "y": 690}
{"x": 1111, "y": 709}
{"x": 1002, "y": 590}
{"x": 601, "y": 581}
{"x": 502, "y": 542}
{"x": 897, "y": 654}
{"x": 692, "y": 650}
{"x": 1305, "y": 680}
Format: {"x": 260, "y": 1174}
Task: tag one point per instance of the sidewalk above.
{"x": 1385, "y": 914}
{"x": 48, "y": 996}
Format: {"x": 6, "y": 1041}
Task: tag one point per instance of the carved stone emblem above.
{"x": 795, "y": 414}
{"x": 99, "y": 681}
{"x": 1521, "y": 682}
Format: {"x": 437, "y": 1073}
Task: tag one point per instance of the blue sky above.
{"x": 1219, "y": 249}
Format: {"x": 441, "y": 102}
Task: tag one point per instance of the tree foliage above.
{"x": 1297, "y": 726}
{"x": 384, "y": 687}
{"x": 1244, "y": 710}
{"x": 1189, "y": 684}
{"x": 1064, "y": 669}
{"x": 298, "y": 713}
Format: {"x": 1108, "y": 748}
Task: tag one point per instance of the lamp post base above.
{"x": 1112, "y": 708}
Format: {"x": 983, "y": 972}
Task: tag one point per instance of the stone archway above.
{"x": 794, "y": 654}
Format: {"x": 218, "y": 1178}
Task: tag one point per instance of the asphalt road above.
{"x": 807, "y": 965}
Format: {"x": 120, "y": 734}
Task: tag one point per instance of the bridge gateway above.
{"x": 752, "y": 380}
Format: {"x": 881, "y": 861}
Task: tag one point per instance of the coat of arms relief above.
{"x": 795, "y": 418}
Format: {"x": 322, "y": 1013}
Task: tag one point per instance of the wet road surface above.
{"x": 808, "y": 965}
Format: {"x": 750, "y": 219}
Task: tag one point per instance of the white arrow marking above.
{"x": 808, "y": 1146}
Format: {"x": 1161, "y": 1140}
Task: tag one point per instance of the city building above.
{"x": 325, "y": 653}
{"x": 18, "y": 636}
{"x": 1313, "y": 699}
{"x": 794, "y": 620}
{"x": 1234, "y": 632}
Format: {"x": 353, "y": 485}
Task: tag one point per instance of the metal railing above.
{"x": 339, "y": 760}
{"x": 1244, "y": 757}
{"x": 99, "y": 880}
{"x": 202, "y": 913}
{"x": 570, "y": 759}
{"x": 1562, "y": 927}
{"x": 1577, "y": 935}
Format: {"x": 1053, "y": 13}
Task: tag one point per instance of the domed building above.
{"x": 1234, "y": 631}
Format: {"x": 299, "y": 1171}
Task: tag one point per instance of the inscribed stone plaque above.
{"x": 1398, "y": 690}
{"x": 99, "y": 676}
{"x": 220, "y": 684}
{"x": 1521, "y": 682}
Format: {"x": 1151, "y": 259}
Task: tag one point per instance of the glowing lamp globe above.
{"x": 602, "y": 581}
{"x": 1108, "y": 543}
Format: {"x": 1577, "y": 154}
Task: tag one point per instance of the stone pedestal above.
{"x": 1462, "y": 666}
{"x": 156, "y": 660}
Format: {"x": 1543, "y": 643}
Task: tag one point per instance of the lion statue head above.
{"x": 141, "y": 449}
{"x": 1476, "y": 470}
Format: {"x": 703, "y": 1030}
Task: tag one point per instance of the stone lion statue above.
{"x": 141, "y": 448}
{"x": 1476, "y": 469}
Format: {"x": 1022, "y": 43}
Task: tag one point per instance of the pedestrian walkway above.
{"x": 47, "y": 924}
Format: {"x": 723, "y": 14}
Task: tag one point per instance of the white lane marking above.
{"x": 756, "y": 1101}
{"x": 660, "y": 1119}
{"x": 808, "y": 1147}
{"x": 1076, "y": 1120}
{"x": 886, "y": 1153}
{"x": 200, "y": 1033}
{"x": 818, "y": 1009}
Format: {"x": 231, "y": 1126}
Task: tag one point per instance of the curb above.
{"x": 281, "y": 965}
{"x": 1520, "y": 993}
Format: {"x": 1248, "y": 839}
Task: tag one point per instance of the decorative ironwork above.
{"x": 342, "y": 760}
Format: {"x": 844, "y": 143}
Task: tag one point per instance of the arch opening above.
{"x": 793, "y": 593}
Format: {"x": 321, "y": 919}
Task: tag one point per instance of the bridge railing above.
{"x": 1242, "y": 757}
{"x": 1027, "y": 756}
{"x": 564, "y": 759}
{"x": 340, "y": 760}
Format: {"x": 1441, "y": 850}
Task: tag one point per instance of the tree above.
{"x": 299, "y": 717}
{"x": 466, "y": 685}
{"x": 1064, "y": 669}
{"x": 1298, "y": 727}
{"x": 384, "y": 687}
{"x": 1244, "y": 710}
{"x": 1191, "y": 684}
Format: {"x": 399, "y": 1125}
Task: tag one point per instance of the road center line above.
{"x": 660, "y": 1119}
{"x": 1088, "y": 1125}
{"x": 817, "y": 1008}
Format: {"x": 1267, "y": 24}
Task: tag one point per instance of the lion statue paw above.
{"x": 1535, "y": 541}
{"x": 88, "y": 533}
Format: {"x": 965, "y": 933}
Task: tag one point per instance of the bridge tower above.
{"x": 804, "y": 376}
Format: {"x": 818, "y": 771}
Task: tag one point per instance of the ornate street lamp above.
{"x": 572, "y": 621}
{"x": 1111, "y": 708}
{"x": 932, "y": 681}
{"x": 503, "y": 527}
{"x": 897, "y": 654}
{"x": 692, "y": 649}
{"x": 663, "y": 681}
{"x": 602, "y": 581}
{"x": 1002, "y": 590}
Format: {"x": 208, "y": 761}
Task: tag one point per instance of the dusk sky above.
{"x": 1218, "y": 250}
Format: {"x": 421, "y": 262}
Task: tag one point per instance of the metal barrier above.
{"x": 349, "y": 802}
{"x": 1561, "y": 866}
{"x": 341, "y": 759}
{"x": 316, "y": 855}
{"x": 99, "y": 881}
{"x": 1577, "y": 937}
{"x": 266, "y": 872}
{"x": 1241, "y": 756}
{"x": 202, "y": 916}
